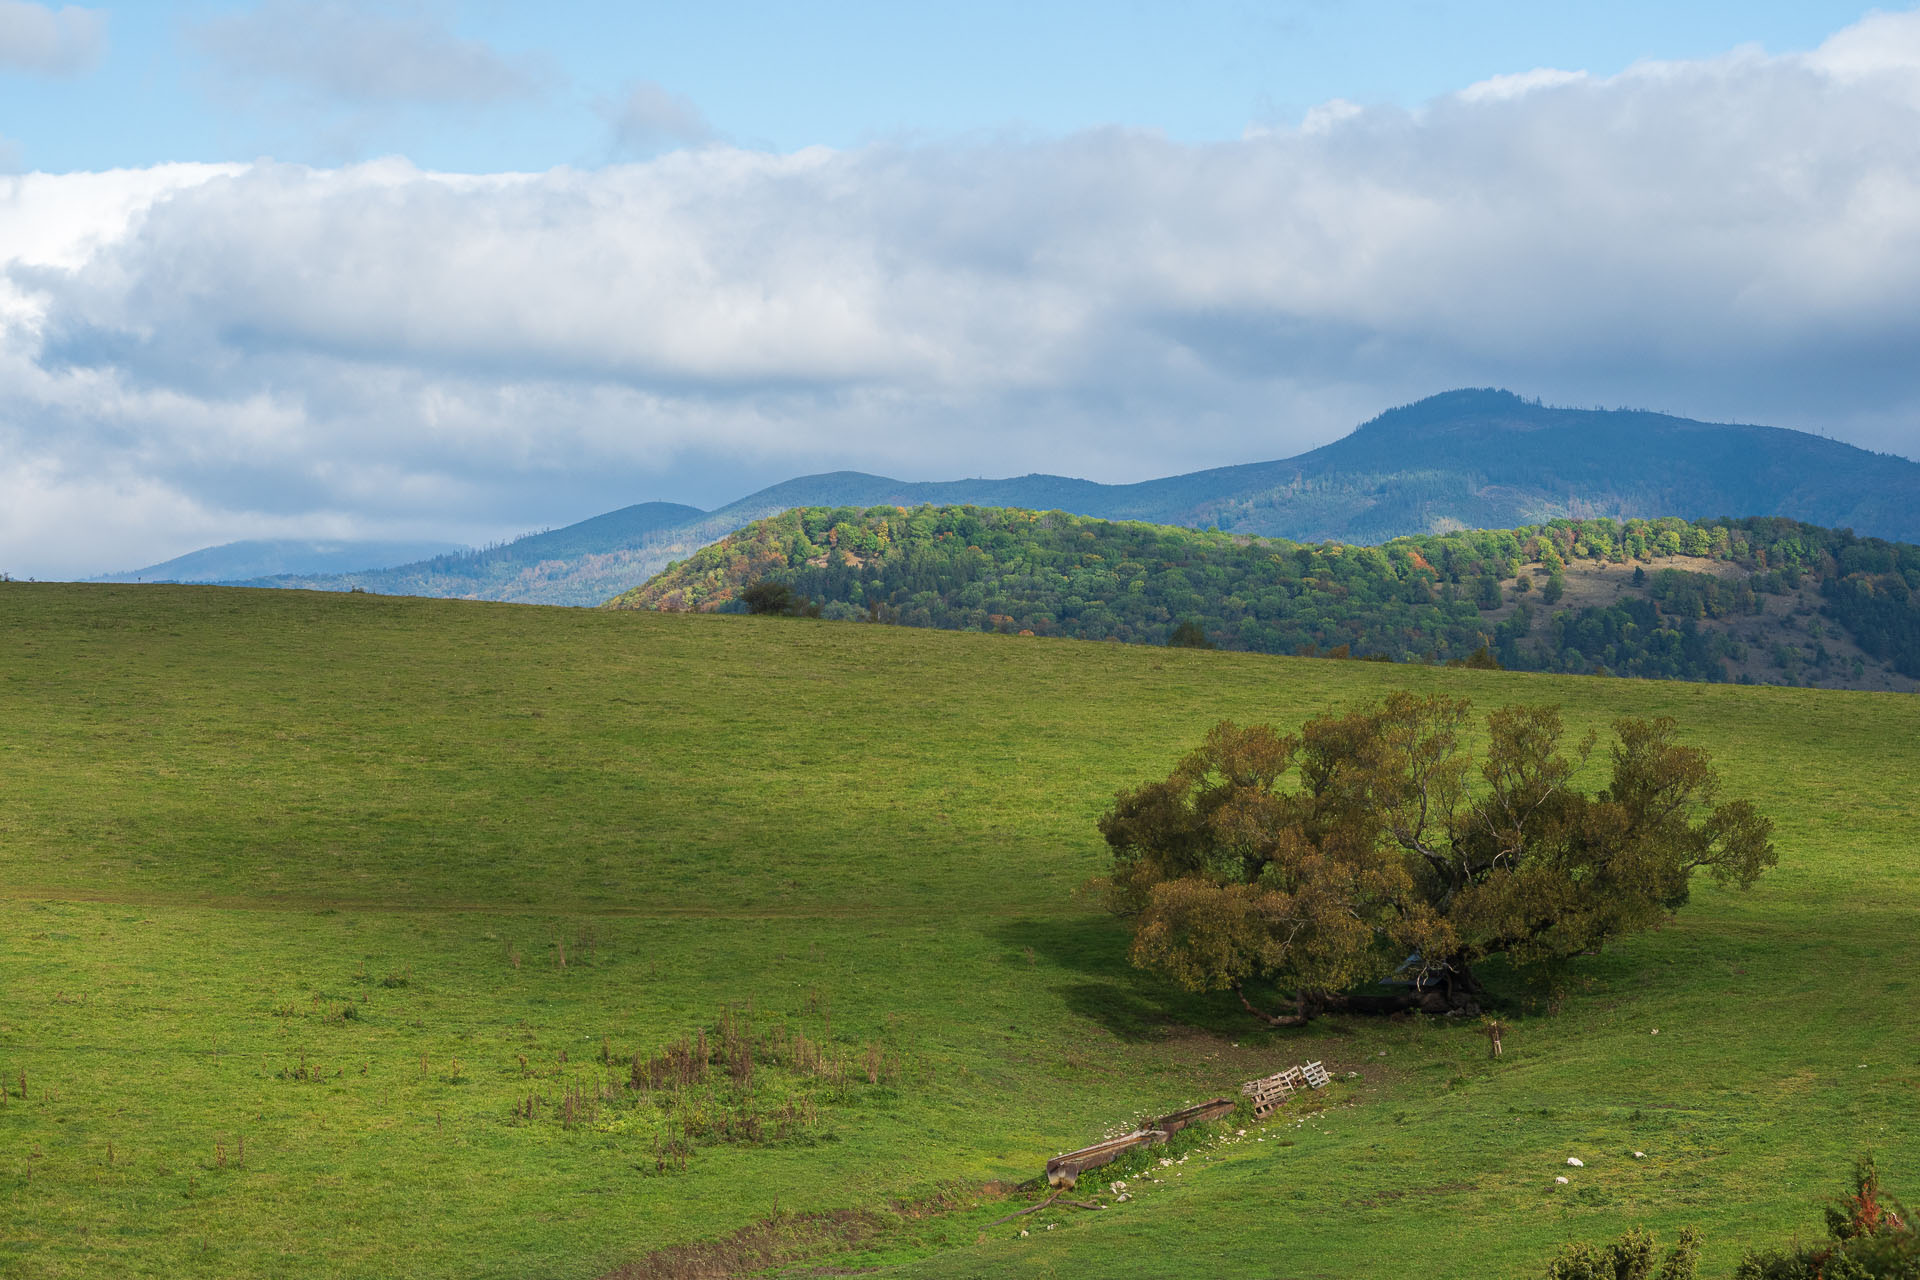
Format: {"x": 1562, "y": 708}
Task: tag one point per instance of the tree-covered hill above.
{"x": 1761, "y": 600}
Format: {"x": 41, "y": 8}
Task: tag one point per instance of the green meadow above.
{"x": 317, "y": 910}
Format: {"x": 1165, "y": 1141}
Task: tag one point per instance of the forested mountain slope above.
{"x": 1758, "y": 600}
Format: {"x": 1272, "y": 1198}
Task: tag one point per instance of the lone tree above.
{"x": 1189, "y": 635}
{"x": 765, "y": 595}
{"x": 1316, "y": 861}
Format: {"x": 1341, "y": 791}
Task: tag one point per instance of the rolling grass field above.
{"x": 301, "y": 870}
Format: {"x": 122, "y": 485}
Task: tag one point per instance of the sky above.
{"x": 315, "y": 268}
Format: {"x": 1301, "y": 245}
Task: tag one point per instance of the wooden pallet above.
{"x": 1270, "y": 1092}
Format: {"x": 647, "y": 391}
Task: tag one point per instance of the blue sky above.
{"x": 165, "y": 87}
{"x": 326, "y": 268}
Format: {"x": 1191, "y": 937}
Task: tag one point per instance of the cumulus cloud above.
{"x": 34, "y": 37}
{"x": 1736, "y": 238}
{"x": 361, "y": 55}
{"x": 648, "y": 118}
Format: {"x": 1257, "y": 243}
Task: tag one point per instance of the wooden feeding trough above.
{"x": 1064, "y": 1170}
{"x": 1213, "y": 1110}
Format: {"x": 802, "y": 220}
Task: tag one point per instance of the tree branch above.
{"x": 1271, "y": 1019}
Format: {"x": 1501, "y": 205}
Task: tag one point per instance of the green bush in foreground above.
{"x": 1631, "y": 1257}
{"x": 1867, "y": 1240}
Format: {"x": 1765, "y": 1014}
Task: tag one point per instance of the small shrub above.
{"x": 1870, "y": 1238}
{"x": 1631, "y": 1257}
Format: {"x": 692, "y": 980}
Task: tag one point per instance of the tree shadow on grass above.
{"x": 1132, "y": 1004}
{"x": 1141, "y": 1007}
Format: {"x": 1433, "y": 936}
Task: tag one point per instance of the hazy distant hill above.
{"x": 1463, "y": 459}
{"x": 1765, "y": 600}
{"x": 579, "y": 564}
{"x": 263, "y": 558}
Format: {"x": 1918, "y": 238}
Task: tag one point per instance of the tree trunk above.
{"x": 1455, "y": 996}
{"x": 1433, "y": 1000}
{"x": 1299, "y": 1019}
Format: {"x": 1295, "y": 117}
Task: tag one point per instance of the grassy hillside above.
{"x": 297, "y": 869}
{"x": 1767, "y": 601}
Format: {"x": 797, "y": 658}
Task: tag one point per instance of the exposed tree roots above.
{"x": 1050, "y": 1200}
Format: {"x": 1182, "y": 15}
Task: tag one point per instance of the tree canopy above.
{"x": 1315, "y": 861}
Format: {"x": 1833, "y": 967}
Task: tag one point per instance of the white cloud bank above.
{"x": 215, "y": 354}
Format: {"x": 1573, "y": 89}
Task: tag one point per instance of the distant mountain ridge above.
{"x": 581, "y": 563}
{"x": 259, "y": 558}
{"x": 1469, "y": 459}
{"x": 1495, "y": 457}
